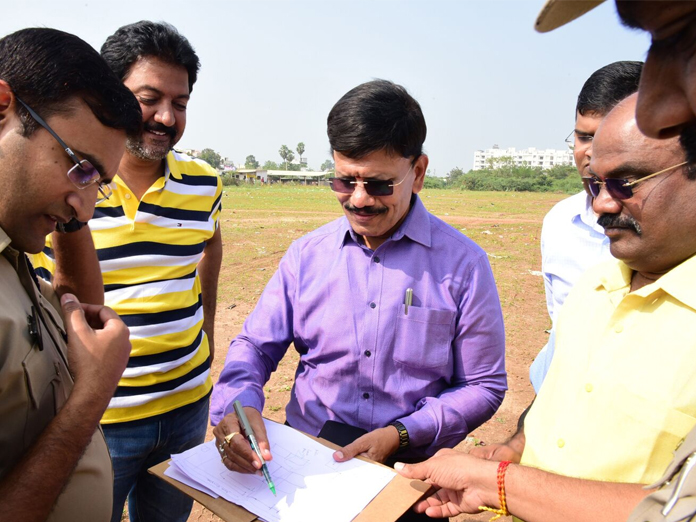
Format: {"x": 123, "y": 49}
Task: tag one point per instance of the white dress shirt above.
{"x": 571, "y": 242}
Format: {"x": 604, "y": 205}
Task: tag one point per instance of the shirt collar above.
{"x": 172, "y": 166}
{"x": 416, "y": 226}
{"x": 680, "y": 282}
{"x": 587, "y": 215}
{"x": 174, "y": 171}
{"x": 4, "y": 240}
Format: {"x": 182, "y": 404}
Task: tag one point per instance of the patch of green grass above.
{"x": 260, "y": 221}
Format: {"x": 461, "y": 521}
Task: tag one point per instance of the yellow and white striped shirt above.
{"x": 148, "y": 252}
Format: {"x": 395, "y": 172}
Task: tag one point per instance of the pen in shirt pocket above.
{"x": 408, "y": 299}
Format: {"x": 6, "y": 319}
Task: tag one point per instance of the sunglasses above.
{"x": 619, "y": 188}
{"x": 83, "y": 174}
{"x": 374, "y": 187}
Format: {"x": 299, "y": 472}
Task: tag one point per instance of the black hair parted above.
{"x": 377, "y": 115}
{"x": 608, "y": 86}
{"x": 48, "y": 68}
{"x": 157, "y": 39}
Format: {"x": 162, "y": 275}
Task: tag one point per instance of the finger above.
{"x": 414, "y": 471}
{"x": 351, "y": 450}
{"x": 240, "y": 455}
{"x": 98, "y": 316}
{"x": 257, "y": 424}
{"x": 74, "y": 317}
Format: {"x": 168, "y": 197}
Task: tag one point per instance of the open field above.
{"x": 260, "y": 222}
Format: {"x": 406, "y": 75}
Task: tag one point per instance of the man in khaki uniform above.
{"x": 62, "y": 111}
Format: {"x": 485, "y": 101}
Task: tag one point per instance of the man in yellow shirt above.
{"x": 621, "y": 391}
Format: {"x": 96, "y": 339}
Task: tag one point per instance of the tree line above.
{"x": 286, "y": 154}
{"x": 501, "y": 174}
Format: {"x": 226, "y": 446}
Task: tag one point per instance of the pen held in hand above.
{"x": 251, "y": 437}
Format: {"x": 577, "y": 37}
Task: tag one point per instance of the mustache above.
{"x": 159, "y": 127}
{"x": 365, "y": 210}
{"x": 687, "y": 139}
{"x": 617, "y": 220}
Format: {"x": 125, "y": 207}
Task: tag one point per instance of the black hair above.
{"x": 160, "y": 40}
{"x": 377, "y": 115}
{"x": 46, "y": 68}
{"x": 608, "y": 86}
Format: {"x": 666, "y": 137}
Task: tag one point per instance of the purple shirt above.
{"x": 440, "y": 369}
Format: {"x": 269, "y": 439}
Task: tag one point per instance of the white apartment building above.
{"x": 532, "y": 157}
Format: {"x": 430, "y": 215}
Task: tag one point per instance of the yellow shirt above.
{"x": 621, "y": 390}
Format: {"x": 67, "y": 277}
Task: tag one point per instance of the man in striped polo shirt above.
{"x": 158, "y": 242}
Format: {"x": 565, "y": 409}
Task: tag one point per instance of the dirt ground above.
{"x": 509, "y": 234}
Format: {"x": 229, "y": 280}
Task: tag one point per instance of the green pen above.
{"x": 249, "y": 434}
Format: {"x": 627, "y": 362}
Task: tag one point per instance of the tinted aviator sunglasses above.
{"x": 83, "y": 174}
{"x": 374, "y": 187}
{"x": 620, "y": 188}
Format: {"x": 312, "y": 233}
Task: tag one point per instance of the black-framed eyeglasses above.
{"x": 374, "y": 187}
{"x": 83, "y": 174}
{"x": 620, "y": 188}
{"x": 583, "y": 139}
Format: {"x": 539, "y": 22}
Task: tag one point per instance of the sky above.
{"x": 272, "y": 70}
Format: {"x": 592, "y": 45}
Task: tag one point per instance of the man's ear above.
{"x": 419, "y": 168}
{"x": 7, "y": 101}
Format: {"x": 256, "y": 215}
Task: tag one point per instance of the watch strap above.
{"x": 71, "y": 226}
{"x": 403, "y": 434}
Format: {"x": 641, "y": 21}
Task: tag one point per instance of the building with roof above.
{"x": 531, "y": 157}
{"x": 280, "y": 176}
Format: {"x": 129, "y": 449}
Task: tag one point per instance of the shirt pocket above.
{"x": 42, "y": 379}
{"x": 423, "y": 337}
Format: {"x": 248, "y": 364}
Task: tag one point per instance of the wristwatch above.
{"x": 403, "y": 435}
{"x": 71, "y": 226}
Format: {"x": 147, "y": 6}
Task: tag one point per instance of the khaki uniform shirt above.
{"x": 34, "y": 385}
{"x": 675, "y": 501}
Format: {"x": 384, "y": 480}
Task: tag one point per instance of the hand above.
{"x": 511, "y": 450}
{"x": 98, "y": 347}
{"x": 465, "y": 483}
{"x": 239, "y": 455}
{"x": 377, "y": 445}
{"x": 497, "y": 452}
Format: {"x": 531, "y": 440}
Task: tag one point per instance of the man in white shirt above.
{"x": 571, "y": 240}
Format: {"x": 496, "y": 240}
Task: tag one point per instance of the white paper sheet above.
{"x": 311, "y": 486}
{"x": 174, "y": 472}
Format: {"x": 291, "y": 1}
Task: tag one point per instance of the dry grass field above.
{"x": 260, "y": 222}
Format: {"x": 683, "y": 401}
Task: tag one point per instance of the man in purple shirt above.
{"x": 411, "y": 378}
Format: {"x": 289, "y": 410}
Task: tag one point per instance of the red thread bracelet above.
{"x": 500, "y": 479}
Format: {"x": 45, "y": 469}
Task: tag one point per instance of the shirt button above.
{"x": 366, "y": 395}
{"x": 618, "y": 328}
{"x": 127, "y": 196}
{"x": 588, "y": 387}
{"x": 368, "y": 353}
{"x": 372, "y": 305}
{"x": 375, "y": 259}
{"x": 561, "y": 443}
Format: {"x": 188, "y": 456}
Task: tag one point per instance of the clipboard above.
{"x": 392, "y": 502}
